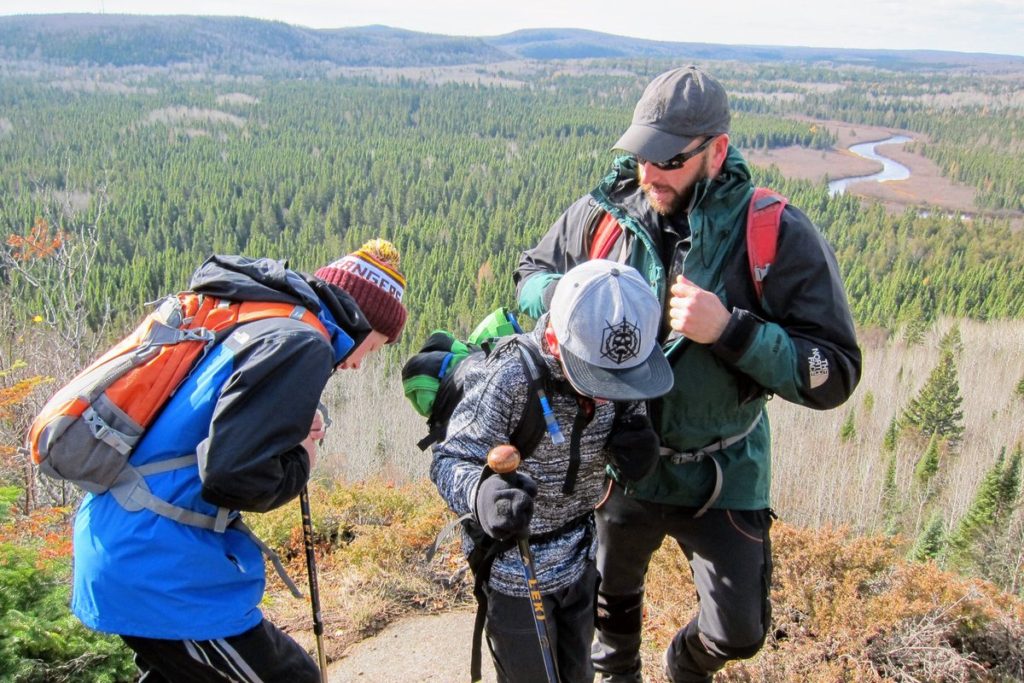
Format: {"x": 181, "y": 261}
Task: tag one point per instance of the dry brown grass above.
{"x": 818, "y": 479}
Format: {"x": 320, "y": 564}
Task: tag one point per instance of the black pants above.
{"x": 730, "y": 557}
{"x": 512, "y": 634}
{"x": 262, "y": 653}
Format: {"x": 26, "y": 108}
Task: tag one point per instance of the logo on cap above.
{"x": 620, "y": 343}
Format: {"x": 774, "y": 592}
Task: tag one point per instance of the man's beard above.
{"x": 666, "y": 206}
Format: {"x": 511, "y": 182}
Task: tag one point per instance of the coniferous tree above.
{"x": 936, "y": 409}
{"x": 931, "y": 541}
{"x": 952, "y": 341}
{"x": 891, "y": 501}
{"x": 993, "y": 503}
{"x": 849, "y": 430}
{"x": 1009, "y": 483}
{"x": 917, "y": 324}
{"x": 892, "y": 435}
{"x": 928, "y": 465}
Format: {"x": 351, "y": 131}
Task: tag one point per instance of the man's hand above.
{"x": 696, "y": 313}
{"x": 317, "y": 432}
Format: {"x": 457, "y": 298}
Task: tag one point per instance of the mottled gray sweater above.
{"x": 495, "y": 398}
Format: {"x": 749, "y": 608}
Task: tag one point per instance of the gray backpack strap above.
{"x": 274, "y": 558}
{"x": 132, "y": 493}
{"x": 447, "y": 532}
{"x": 166, "y": 465}
{"x": 688, "y": 457}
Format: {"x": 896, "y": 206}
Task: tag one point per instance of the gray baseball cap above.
{"x": 606, "y": 319}
{"x": 677, "y": 106}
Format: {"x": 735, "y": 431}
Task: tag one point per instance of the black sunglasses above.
{"x": 678, "y": 160}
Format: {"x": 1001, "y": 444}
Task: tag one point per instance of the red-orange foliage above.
{"x": 46, "y": 529}
{"x": 851, "y": 608}
{"x": 15, "y": 395}
{"x": 38, "y": 244}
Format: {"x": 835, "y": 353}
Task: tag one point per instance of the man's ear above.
{"x": 552, "y": 340}
{"x": 719, "y": 151}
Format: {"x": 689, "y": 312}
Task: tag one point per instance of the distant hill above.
{"x": 236, "y": 43}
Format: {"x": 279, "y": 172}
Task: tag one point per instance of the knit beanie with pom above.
{"x": 371, "y": 276}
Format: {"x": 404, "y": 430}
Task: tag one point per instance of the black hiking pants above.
{"x": 263, "y": 653}
{"x": 512, "y": 634}
{"x": 729, "y": 552}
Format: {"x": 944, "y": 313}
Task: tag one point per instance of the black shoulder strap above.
{"x": 530, "y": 428}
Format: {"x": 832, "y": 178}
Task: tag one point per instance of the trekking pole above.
{"x": 314, "y": 588}
{"x": 505, "y": 460}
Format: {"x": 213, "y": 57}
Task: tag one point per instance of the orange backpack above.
{"x": 763, "y": 216}
{"x": 87, "y": 431}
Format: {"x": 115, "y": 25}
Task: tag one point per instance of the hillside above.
{"x": 134, "y": 147}
{"x": 244, "y": 44}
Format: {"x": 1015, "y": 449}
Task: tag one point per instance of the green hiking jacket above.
{"x": 798, "y": 342}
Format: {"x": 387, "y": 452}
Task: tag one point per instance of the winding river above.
{"x": 891, "y": 170}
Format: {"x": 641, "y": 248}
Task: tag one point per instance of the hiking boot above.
{"x": 672, "y": 678}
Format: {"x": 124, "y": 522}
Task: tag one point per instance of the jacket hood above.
{"x": 734, "y": 177}
{"x": 241, "y": 278}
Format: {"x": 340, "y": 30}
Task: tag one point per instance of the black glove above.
{"x": 504, "y": 505}
{"x": 634, "y": 447}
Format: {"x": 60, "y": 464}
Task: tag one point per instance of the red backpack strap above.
{"x": 763, "y": 217}
{"x": 606, "y": 234}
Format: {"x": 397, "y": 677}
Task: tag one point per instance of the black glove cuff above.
{"x": 737, "y": 336}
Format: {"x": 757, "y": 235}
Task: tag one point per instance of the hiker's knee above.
{"x": 619, "y": 614}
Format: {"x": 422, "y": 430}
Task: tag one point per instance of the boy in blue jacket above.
{"x": 186, "y": 598}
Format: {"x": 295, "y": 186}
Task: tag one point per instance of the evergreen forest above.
{"x": 462, "y": 177}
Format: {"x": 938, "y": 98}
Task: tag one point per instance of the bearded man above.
{"x": 680, "y": 199}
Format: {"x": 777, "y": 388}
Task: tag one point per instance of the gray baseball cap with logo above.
{"x": 606, "y": 319}
{"x": 677, "y": 106}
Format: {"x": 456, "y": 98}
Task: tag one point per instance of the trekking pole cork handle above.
{"x": 503, "y": 459}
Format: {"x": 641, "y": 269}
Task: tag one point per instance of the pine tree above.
{"x": 848, "y": 431}
{"x": 928, "y": 465}
{"x": 936, "y": 409}
{"x": 1020, "y": 388}
{"x": 892, "y": 435}
{"x": 916, "y": 322}
{"x": 993, "y": 503}
{"x": 1009, "y": 485}
{"x": 891, "y": 501}
{"x": 931, "y": 541}
{"x": 952, "y": 342}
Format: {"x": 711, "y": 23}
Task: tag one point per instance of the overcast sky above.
{"x": 962, "y": 25}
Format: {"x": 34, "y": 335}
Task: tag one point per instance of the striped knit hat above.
{"x": 370, "y": 275}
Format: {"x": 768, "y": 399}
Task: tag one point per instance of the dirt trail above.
{"x": 433, "y": 648}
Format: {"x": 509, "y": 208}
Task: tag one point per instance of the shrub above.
{"x": 40, "y": 640}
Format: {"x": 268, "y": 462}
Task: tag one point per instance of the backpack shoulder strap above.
{"x": 604, "y": 237}
{"x": 250, "y": 311}
{"x": 537, "y": 417}
{"x": 763, "y": 217}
